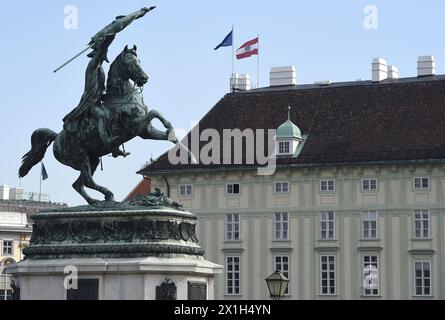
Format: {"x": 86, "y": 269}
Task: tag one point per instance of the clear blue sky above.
{"x": 324, "y": 39}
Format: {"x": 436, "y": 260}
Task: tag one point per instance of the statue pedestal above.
{"x": 113, "y": 279}
{"x": 137, "y": 253}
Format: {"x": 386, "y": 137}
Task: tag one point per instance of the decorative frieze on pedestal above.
{"x": 111, "y": 233}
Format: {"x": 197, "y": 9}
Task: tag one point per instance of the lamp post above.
{"x": 277, "y": 284}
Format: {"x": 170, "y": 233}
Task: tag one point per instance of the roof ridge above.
{"x": 344, "y": 84}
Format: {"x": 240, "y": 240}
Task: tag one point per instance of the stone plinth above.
{"x": 118, "y": 278}
{"x": 121, "y": 251}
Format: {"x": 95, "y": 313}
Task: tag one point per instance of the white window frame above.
{"x": 234, "y": 225}
{"x": 329, "y": 185}
{"x": 327, "y": 229}
{"x": 279, "y": 187}
{"x": 284, "y": 267}
{"x": 371, "y": 292}
{"x": 422, "y": 224}
{"x": 421, "y": 187}
{"x": 233, "y": 184}
{"x": 281, "y": 226}
{"x": 369, "y": 185}
{"x": 366, "y": 217}
{"x": 282, "y": 146}
{"x": 4, "y": 247}
{"x": 188, "y": 190}
{"x": 328, "y": 279}
{"x": 423, "y": 278}
{"x": 233, "y": 272}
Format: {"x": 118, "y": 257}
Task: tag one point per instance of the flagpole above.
{"x": 233, "y": 49}
{"x": 40, "y": 185}
{"x": 258, "y": 65}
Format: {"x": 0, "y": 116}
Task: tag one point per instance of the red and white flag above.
{"x": 248, "y": 49}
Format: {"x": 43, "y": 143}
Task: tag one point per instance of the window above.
{"x": 282, "y": 264}
{"x": 233, "y": 275}
{"x": 327, "y": 225}
{"x": 327, "y": 275}
{"x": 421, "y": 183}
{"x": 232, "y": 188}
{"x": 327, "y": 185}
{"x": 369, "y": 224}
{"x": 232, "y": 226}
{"x": 369, "y": 184}
{"x": 284, "y": 147}
{"x": 281, "y": 187}
{"x": 421, "y": 224}
{"x": 7, "y": 247}
{"x": 422, "y": 278}
{"x": 370, "y": 275}
{"x": 5, "y": 294}
{"x": 5, "y": 286}
{"x": 186, "y": 190}
{"x": 281, "y": 226}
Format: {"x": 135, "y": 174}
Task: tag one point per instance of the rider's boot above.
{"x": 118, "y": 152}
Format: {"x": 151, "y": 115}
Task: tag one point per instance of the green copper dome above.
{"x": 289, "y": 130}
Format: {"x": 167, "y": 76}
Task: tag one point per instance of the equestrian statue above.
{"x": 106, "y": 117}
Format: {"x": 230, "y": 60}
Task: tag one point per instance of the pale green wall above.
{"x": 395, "y": 200}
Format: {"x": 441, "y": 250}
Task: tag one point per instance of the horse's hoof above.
{"x": 95, "y": 203}
{"x": 171, "y": 136}
{"x": 104, "y": 204}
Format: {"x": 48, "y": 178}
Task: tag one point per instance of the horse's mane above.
{"x": 114, "y": 68}
{"x": 113, "y": 73}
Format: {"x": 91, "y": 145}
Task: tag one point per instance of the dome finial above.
{"x": 288, "y": 112}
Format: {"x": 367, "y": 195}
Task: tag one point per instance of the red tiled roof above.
{"x": 142, "y": 188}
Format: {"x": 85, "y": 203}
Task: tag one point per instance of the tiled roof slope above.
{"x": 395, "y": 120}
{"x": 142, "y": 188}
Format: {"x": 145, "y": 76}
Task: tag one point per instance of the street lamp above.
{"x": 277, "y": 285}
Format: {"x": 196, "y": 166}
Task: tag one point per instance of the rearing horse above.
{"x": 127, "y": 117}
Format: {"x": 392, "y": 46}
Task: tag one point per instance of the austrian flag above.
{"x": 248, "y": 49}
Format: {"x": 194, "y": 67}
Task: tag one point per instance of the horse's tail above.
{"x": 40, "y": 141}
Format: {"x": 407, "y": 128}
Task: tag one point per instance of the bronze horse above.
{"x": 126, "y": 116}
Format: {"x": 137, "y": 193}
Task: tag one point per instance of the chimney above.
{"x": 283, "y": 76}
{"x": 379, "y": 70}
{"x": 323, "y": 83}
{"x": 393, "y": 72}
{"x": 240, "y": 82}
{"x": 426, "y": 66}
{"x": 16, "y": 194}
{"x": 4, "y": 192}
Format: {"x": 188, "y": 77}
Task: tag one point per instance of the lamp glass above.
{"x": 277, "y": 284}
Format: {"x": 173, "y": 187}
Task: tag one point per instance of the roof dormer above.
{"x": 288, "y": 138}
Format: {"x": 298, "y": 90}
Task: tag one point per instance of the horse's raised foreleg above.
{"x": 154, "y": 134}
{"x": 154, "y": 114}
{"x": 147, "y": 131}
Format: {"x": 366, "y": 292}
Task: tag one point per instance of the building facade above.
{"x": 355, "y": 208}
{"x": 15, "y": 231}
